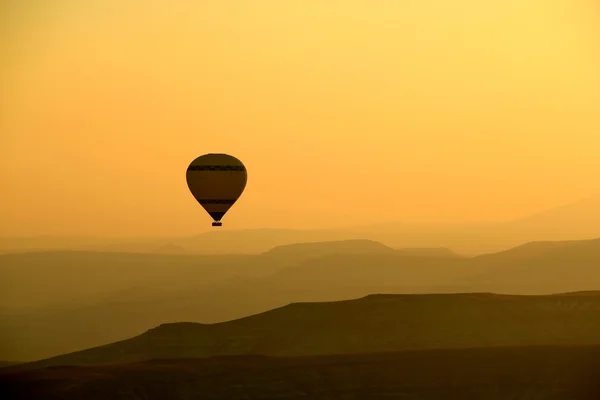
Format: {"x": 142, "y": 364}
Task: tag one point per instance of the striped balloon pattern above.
{"x": 216, "y": 181}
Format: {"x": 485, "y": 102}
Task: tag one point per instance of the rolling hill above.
{"x": 103, "y": 298}
{"x": 170, "y": 248}
{"x": 375, "y": 323}
{"x": 306, "y": 250}
{"x": 73, "y": 243}
{"x": 44, "y": 279}
{"x": 519, "y": 373}
{"x": 554, "y": 266}
{"x": 581, "y": 248}
{"x": 28, "y": 279}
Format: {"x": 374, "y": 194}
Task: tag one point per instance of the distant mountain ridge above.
{"x": 429, "y": 252}
{"x": 170, "y": 248}
{"x": 536, "y": 249}
{"x": 577, "y": 221}
{"x": 581, "y": 217}
{"x": 311, "y": 250}
{"x": 355, "y": 246}
{"x": 104, "y": 297}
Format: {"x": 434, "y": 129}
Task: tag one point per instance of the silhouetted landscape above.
{"x": 106, "y": 297}
{"x": 546, "y": 346}
{"x": 279, "y": 200}
{"x": 375, "y": 323}
{"x": 296, "y": 292}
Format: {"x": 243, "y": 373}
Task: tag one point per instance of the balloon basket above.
{"x": 217, "y": 224}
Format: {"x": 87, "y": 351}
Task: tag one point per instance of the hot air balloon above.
{"x": 216, "y": 181}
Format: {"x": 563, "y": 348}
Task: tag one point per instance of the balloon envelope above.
{"x": 216, "y": 181}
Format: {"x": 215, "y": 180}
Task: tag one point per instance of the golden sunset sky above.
{"x": 344, "y": 112}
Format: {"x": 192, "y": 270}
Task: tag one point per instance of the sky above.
{"x": 344, "y": 112}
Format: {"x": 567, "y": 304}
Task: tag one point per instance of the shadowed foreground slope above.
{"x": 372, "y": 324}
{"x": 544, "y": 373}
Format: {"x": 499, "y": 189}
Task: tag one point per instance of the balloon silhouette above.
{"x": 216, "y": 181}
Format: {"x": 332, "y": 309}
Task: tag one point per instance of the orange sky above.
{"x": 344, "y": 112}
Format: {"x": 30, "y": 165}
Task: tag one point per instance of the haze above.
{"x": 344, "y": 112}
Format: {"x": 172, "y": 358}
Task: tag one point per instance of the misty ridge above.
{"x": 387, "y": 125}
{"x": 63, "y": 301}
{"x": 322, "y": 307}
{"x": 576, "y": 221}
